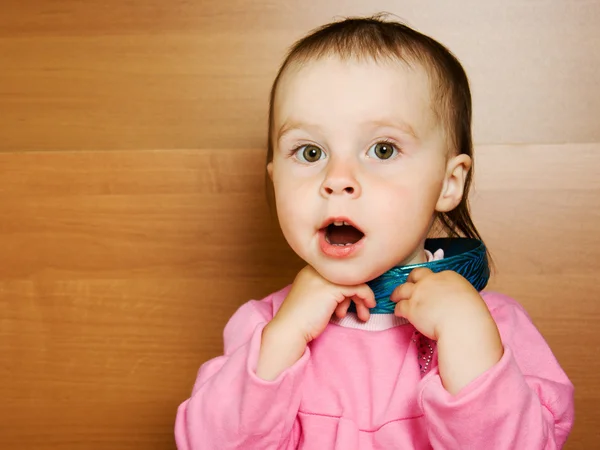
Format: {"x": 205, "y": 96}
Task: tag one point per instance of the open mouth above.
{"x": 342, "y": 234}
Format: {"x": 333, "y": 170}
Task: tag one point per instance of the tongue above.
{"x": 343, "y": 235}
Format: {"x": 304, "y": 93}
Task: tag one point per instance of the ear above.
{"x": 453, "y": 189}
{"x": 270, "y": 170}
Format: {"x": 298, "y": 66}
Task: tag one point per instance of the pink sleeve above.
{"x": 524, "y": 402}
{"x": 230, "y": 407}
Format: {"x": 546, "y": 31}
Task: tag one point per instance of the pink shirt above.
{"x": 376, "y": 388}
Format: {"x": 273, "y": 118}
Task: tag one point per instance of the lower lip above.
{"x": 338, "y": 251}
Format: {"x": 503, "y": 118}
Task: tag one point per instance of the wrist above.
{"x": 282, "y": 333}
{"x": 291, "y": 327}
{"x": 466, "y": 350}
{"x": 279, "y": 350}
{"x": 469, "y": 314}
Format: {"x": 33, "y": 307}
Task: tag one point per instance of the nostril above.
{"x": 333, "y": 190}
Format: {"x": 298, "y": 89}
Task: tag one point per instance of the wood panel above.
{"x": 120, "y": 269}
{"x": 108, "y": 74}
{"x": 121, "y": 264}
{"x": 118, "y": 274}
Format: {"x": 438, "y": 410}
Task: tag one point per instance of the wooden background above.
{"x": 133, "y": 219}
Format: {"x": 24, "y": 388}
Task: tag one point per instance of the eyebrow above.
{"x": 292, "y": 125}
{"x": 397, "y": 124}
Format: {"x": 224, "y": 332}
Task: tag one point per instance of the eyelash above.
{"x": 296, "y": 149}
{"x": 389, "y": 142}
{"x": 392, "y": 144}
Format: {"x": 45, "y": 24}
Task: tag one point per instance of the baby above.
{"x": 386, "y": 338}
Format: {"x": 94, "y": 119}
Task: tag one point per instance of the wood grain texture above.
{"x": 187, "y": 74}
{"x": 124, "y": 253}
{"x": 118, "y": 274}
{"x": 120, "y": 269}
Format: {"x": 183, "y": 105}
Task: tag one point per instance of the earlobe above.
{"x": 270, "y": 170}
{"x": 454, "y": 183}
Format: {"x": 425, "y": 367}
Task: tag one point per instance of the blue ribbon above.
{"x": 467, "y": 257}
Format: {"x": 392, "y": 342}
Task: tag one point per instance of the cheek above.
{"x": 287, "y": 222}
{"x": 410, "y": 203}
{"x": 291, "y": 190}
{"x": 291, "y": 204}
{"x": 293, "y": 224}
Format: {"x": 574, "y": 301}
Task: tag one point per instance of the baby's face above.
{"x": 356, "y": 142}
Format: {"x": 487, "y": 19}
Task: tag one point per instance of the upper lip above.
{"x": 331, "y": 220}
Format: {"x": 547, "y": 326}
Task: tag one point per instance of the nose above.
{"x": 340, "y": 179}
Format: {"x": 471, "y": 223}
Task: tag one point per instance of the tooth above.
{"x": 346, "y": 223}
{"x": 339, "y": 224}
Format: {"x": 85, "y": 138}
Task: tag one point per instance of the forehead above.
{"x": 331, "y": 90}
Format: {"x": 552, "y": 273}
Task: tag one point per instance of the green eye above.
{"x": 310, "y": 153}
{"x": 382, "y": 150}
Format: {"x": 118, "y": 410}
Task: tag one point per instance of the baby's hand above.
{"x": 303, "y": 316}
{"x": 445, "y": 307}
{"x": 436, "y": 302}
{"x": 312, "y": 301}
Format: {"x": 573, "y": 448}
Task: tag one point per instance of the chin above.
{"x": 346, "y": 276}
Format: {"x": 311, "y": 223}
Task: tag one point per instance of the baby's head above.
{"x": 369, "y": 147}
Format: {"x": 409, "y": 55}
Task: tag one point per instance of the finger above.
{"x": 363, "y": 293}
{"x": 418, "y": 274}
{"x": 403, "y": 292}
{"x": 342, "y": 309}
{"x": 362, "y": 311}
{"x": 402, "y": 309}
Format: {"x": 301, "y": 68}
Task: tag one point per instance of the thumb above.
{"x": 403, "y": 292}
{"x": 402, "y": 309}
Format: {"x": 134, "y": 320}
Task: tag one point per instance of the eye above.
{"x": 382, "y": 150}
{"x": 309, "y": 153}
